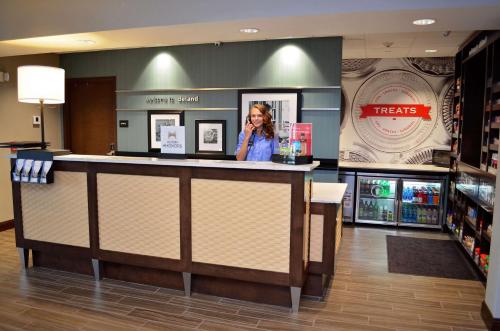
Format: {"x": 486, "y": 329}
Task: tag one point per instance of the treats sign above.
{"x": 396, "y": 110}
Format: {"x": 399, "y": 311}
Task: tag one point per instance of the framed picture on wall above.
{"x": 210, "y": 137}
{"x": 157, "y": 119}
{"x": 284, "y": 105}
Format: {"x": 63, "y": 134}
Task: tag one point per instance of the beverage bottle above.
{"x": 423, "y": 195}
{"x": 390, "y": 216}
{"x": 361, "y": 209}
{"x": 435, "y": 216}
{"x": 419, "y": 215}
{"x": 435, "y": 197}
{"x": 414, "y": 197}
{"x": 369, "y": 214}
{"x": 303, "y": 143}
{"x": 430, "y": 200}
{"x": 384, "y": 214}
{"x": 375, "y": 210}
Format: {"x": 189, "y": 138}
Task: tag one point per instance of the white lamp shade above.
{"x": 35, "y": 83}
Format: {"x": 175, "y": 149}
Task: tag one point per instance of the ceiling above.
{"x": 371, "y": 28}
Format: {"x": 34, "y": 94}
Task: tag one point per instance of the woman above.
{"x": 257, "y": 141}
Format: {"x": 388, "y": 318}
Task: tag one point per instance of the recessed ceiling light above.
{"x": 431, "y": 50}
{"x": 424, "y": 21}
{"x": 86, "y": 41}
{"x": 249, "y": 30}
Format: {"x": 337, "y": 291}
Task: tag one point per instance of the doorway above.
{"x": 90, "y": 115}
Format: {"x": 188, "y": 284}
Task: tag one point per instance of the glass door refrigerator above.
{"x": 376, "y": 201}
{"x": 421, "y": 202}
{"x": 413, "y": 201}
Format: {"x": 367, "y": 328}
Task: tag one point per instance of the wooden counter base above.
{"x": 172, "y": 226}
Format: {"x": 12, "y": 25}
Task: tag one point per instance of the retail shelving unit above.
{"x": 475, "y": 145}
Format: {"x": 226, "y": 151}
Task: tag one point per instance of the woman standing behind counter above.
{"x": 257, "y": 141}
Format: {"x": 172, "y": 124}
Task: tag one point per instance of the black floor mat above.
{"x": 428, "y": 257}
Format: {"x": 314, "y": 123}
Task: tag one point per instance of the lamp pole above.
{"x": 44, "y": 146}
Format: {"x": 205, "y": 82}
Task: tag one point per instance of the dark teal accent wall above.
{"x": 312, "y": 64}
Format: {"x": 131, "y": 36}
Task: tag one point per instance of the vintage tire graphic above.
{"x": 421, "y": 156}
{"x": 446, "y": 105}
{"x": 356, "y": 68}
{"x": 434, "y": 66}
{"x": 394, "y": 134}
{"x": 355, "y": 156}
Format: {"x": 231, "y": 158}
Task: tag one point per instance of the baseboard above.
{"x": 493, "y": 324}
{"x": 6, "y": 225}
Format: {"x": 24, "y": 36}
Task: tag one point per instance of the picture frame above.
{"x": 157, "y": 118}
{"x": 285, "y": 104}
{"x": 210, "y": 137}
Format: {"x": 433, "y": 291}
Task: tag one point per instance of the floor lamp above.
{"x": 42, "y": 85}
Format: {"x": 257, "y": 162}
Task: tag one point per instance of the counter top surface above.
{"x": 187, "y": 162}
{"x": 392, "y": 166}
{"x": 328, "y": 192}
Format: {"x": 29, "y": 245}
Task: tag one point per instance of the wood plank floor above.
{"x": 363, "y": 296}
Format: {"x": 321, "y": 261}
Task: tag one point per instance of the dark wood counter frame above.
{"x": 266, "y": 286}
{"x": 320, "y": 273}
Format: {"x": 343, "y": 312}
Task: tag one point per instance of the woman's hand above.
{"x": 249, "y": 129}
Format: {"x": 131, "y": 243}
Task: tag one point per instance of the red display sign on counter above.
{"x": 301, "y": 138}
{"x": 396, "y": 110}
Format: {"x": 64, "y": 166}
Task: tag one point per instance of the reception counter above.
{"x": 226, "y": 228}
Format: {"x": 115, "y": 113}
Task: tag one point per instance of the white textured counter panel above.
{"x": 390, "y": 166}
{"x": 328, "y": 192}
{"x": 187, "y": 162}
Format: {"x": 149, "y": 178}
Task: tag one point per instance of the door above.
{"x": 90, "y": 115}
{"x": 377, "y": 200}
{"x": 421, "y": 203}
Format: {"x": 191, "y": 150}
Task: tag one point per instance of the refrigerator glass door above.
{"x": 376, "y": 202}
{"x": 421, "y": 203}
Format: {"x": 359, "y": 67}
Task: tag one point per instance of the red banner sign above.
{"x": 395, "y": 110}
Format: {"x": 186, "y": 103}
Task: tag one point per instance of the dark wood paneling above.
{"x": 235, "y": 289}
{"x": 140, "y": 260}
{"x": 245, "y": 175}
{"x": 58, "y": 249}
{"x": 492, "y": 323}
{"x": 314, "y": 285}
{"x": 71, "y": 166}
{"x": 67, "y": 262}
{"x": 297, "y": 231}
{"x": 251, "y": 275}
{"x": 135, "y": 274}
{"x": 6, "y": 225}
{"x": 317, "y": 208}
{"x": 185, "y": 218}
{"x": 93, "y": 214}
{"x": 18, "y": 213}
{"x": 329, "y": 234}
{"x": 138, "y": 169}
{"x": 315, "y": 268}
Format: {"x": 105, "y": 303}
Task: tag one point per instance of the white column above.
{"x": 493, "y": 285}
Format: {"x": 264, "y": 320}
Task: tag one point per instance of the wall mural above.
{"x": 396, "y": 110}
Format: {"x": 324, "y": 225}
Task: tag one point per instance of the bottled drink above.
{"x": 430, "y": 201}
{"x": 434, "y": 216}
{"x": 369, "y": 214}
{"x": 375, "y": 210}
{"x": 390, "y": 216}
{"x": 361, "y": 209}
{"x": 384, "y": 214}
{"x": 435, "y": 197}
{"x": 415, "y": 195}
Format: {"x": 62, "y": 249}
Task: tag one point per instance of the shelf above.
{"x": 492, "y": 171}
{"x": 420, "y": 204}
{"x": 454, "y": 135}
{"x": 468, "y": 220}
{"x": 466, "y": 251}
{"x": 478, "y": 202}
{"x": 375, "y": 222}
{"x": 369, "y": 196}
{"x": 486, "y": 130}
{"x": 457, "y": 94}
{"x": 495, "y": 125}
{"x": 485, "y": 149}
{"x": 487, "y": 108}
{"x": 485, "y": 236}
{"x": 420, "y": 225}
{"x": 496, "y": 107}
{"x": 496, "y": 88}
{"x": 493, "y": 147}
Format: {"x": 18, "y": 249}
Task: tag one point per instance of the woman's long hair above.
{"x": 267, "y": 125}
